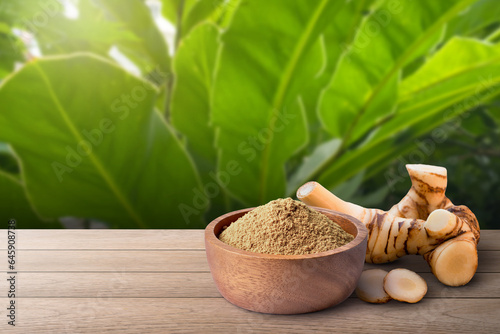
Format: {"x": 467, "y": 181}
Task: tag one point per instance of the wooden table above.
{"x": 158, "y": 281}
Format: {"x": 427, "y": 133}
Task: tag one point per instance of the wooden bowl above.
{"x": 286, "y": 284}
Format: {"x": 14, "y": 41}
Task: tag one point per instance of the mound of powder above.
{"x": 286, "y": 227}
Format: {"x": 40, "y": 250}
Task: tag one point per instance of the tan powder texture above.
{"x": 287, "y": 227}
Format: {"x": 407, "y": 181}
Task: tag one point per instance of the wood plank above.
{"x": 144, "y": 239}
{"x": 489, "y": 262}
{"x": 111, "y": 261}
{"x": 215, "y": 315}
{"x": 490, "y": 240}
{"x": 189, "y": 285}
{"x": 107, "y": 239}
{"x": 168, "y": 261}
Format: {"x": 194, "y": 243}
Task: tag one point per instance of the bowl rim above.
{"x": 210, "y": 237}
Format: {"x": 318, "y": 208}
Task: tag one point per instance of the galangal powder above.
{"x": 286, "y": 227}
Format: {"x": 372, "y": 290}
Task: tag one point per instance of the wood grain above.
{"x": 107, "y": 239}
{"x": 111, "y": 261}
{"x": 151, "y": 281}
{"x": 215, "y": 315}
{"x": 189, "y": 285}
{"x": 174, "y": 261}
{"x": 144, "y": 239}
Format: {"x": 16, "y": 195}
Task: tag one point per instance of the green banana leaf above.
{"x": 28, "y": 13}
{"x": 11, "y": 51}
{"x": 476, "y": 21}
{"x": 363, "y": 90}
{"x": 136, "y": 17}
{"x": 91, "y": 32}
{"x": 460, "y": 76}
{"x": 190, "y": 105}
{"x": 337, "y": 37}
{"x": 262, "y": 70}
{"x": 187, "y": 14}
{"x": 8, "y": 162}
{"x": 353, "y": 106}
{"x": 91, "y": 145}
{"x": 199, "y": 13}
{"x": 193, "y": 68}
{"x": 15, "y": 205}
{"x": 172, "y": 8}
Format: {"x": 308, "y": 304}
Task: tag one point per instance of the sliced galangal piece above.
{"x": 371, "y": 286}
{"x": 405, "y": 285}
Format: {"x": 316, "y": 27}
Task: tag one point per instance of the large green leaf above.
{"x": 8, "y": 161}
{"x": 91, "y": 145}
{"x": 224, "y": 13}
{"x": 90, "y": 32}
{"x": 11, "y": 51}
{"x": 172, "y": 9}
{"x": 186, "y": 14}
{"x": 462, "y": 68}
{"x": 460, "y": 76}
{"x": 473, "y": 21}
{"x": 494, "y": 109}
{"x": 31, "y": 14}
{"x": 169, "y": 9}
{"x": 201, "y": 11}
{"x": 7, "y": 13}
{"x": 150, "y": 43}
{"x": 494, "y": 36}
{"x": 190, "y": 107}
{"x": 376, "y": 156}
{"x": 262, "y": 70}
{"x": 364, "y": 87}
{"x": 11, "y": 47}
{"x": 15, "y": 205}
{"x": 336, "y": 39}
{"x": 408, "y": 148}
{"x": 193, "y": 68}
{"x": 100, "y": 25}
{"x": 313, "y": 162}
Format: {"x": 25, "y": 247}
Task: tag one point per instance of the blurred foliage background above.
{"x": 166, "y": 114}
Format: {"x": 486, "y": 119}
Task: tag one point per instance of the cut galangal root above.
{"x": 405, "y": 285}
{"x": 371, "y": 286}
